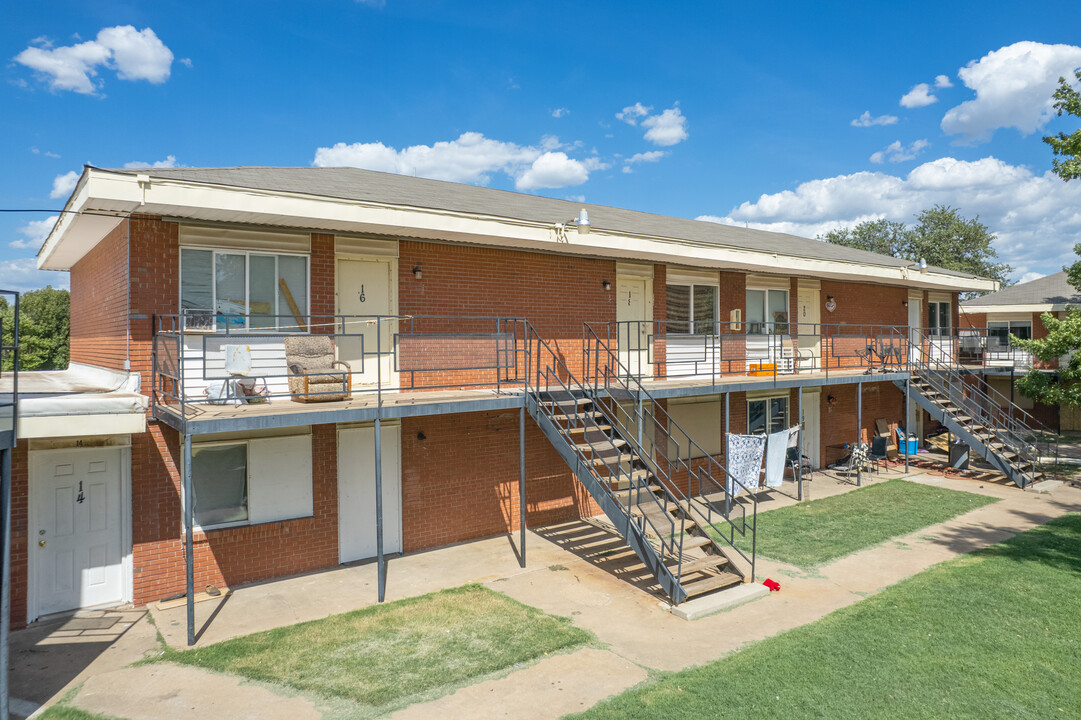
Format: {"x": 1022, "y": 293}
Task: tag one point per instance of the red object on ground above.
{"x": 773, "y": 585}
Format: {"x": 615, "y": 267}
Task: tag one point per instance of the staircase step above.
{"x": 711, "y": 582}
{"x": 613, "y": 459}
{"x": 590, "y": 428}
{"x": 695, "y": 541}
{"x": 579, "y": 416}
{"x": 602, "y": 446}
{"x": 623, "y": 481}
{"x": 709, "y": 562}
{"x": 568, "y": 402}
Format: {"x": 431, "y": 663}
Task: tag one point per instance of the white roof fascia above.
{"x": 116, "y": 192}
{"x": 999, "y": 309}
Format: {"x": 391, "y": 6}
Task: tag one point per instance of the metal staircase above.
{"x": 612, "y": 442}
{"x": 1003, "y": 434}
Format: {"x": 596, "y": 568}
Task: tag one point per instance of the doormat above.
{"x": 90, "y": 623}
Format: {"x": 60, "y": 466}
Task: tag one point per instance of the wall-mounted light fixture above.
{"x": 606, "y": 285}
{"x": 830, "y": 399}
{"x": 905, "y": 303}
{"x": 421, "y": 436}
{"x": 416, "y": 271}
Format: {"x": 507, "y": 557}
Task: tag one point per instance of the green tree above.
{"x": 941, "y": 235}
{"x": 1067, "y": 148}
{"x": 44, "y": 329}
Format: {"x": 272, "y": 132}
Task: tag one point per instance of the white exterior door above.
{"x": 356, "y": 491}
{"x": 809, "y": 316}
{"x": 914, "y": 338}
{"x": 76, "y": 531}
{"x": 812, "y": 427}
{"x": 367, "y": 287}
{"x": 634, "y": 321}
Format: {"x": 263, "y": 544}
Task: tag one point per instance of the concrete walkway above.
{"x": 635, "y": 626}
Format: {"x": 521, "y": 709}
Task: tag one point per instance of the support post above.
{"x": 382, "y": 571}
{"x": 799, "y": 444}
{"x": 859, "y": 430}
{"x": 5, "y": 558}
{"x": 521, "y": 482}
{"x": 727, "y": 494}
{"x": 908, "y": 430}
{"x": 189, "y": 543}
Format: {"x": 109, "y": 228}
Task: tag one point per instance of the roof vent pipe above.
{"x": 923, "y": 265}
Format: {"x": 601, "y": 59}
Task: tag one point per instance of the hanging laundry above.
{"x": 776, "y": 454}
{"x": 743, "y": 455}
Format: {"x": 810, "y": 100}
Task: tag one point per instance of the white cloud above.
{"x": 1037, "y": 218}
{"x": 632, "y": 113}
{"x": 1030, "y": 276}
{"x": 651, "y": 156}
{"x": 552, "y": 170}
{"x": 943, "y": 81}
{"x": 34, "y": 233}
{"x": 867, "y": 120}
{"x": 1013, "y": 87}
{"x": 133, "y": 54}
{"x": 919, "y": 96}
{"x": 168, "y": 162}
{"x": 23, "y": 275}
{"x": 560, "y": 112}
{"x": 668, "y": 128}
{"x": 46, "y": 153}
{"x": 64, "y": 184}
{"x": 897, "y": 152}
{"x": 470, "y": 158}
{"x": 186, "y": 62}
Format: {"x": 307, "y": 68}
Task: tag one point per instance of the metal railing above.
{"x": 940, "y": 363}
{"x": 671, "y": 350}
{"x": 555, "y": 388}
{"x": 374, "y": 354}
{"x": 669, "y": 449}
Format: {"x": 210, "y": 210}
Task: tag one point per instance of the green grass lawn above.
{"x": 67, "y": 712}
{"x": 815, "y": 532}
{"x": 995, "y": 634}
{"x": 382, "y": 653}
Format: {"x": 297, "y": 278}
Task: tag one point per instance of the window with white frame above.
{"x": 767, "y": 312}
{"x": 250, "y": 481}
{"x": 767, "y": 415}
{"x": 692, "y": 309}
{"x": 243, "y": 290}
{"x": 938, "y": 318}
{"x": 999, "y": 332}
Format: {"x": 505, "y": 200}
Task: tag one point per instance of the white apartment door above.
{"x": 366, "y": 288}
{"x": 914, "y": 334}
{"x": 356, "y": 491}
{"x": 634, "y": 323}
{"x": 75, "y": 529}
{"x": 812, "y": 427}
{"x": 809, "y": 317}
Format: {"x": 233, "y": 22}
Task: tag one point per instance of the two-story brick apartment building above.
{"x": 633, "y": 341}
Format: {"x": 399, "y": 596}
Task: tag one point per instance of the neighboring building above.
{"x": 987, "y": 322}
{"x": 458, "y": 309}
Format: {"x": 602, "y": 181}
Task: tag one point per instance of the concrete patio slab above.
{"x": 167, "y": 691}
{"x": 730, "y": 598}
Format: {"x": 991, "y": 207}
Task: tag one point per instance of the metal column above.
{"x": 189, "y": 545}
{"x": 859, "y": 430}
{"x": 908, "y": 430}
{"x": 382, "y": 571}
{"x": 727, "y": 484}
{"x": 5, "y": 558}
{"x": 521, "y": 483}
{"x": 799, "y": 444}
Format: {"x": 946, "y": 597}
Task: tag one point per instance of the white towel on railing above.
{"x": 743, "y": 455}
{"x": 776, "y": 452}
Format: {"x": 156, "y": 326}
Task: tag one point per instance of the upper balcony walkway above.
{"x": 230, "y": 372}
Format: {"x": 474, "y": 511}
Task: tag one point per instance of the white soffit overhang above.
{"x": 107, "y": 192}
{"x": 999, "y": 309}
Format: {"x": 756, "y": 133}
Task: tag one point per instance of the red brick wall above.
{"x": 978, "y": 320}
{"x": 880, "y": 400}
{"x": 461, "y": 481}
{"x": 323, "y": 275}
{"x": 99, "y": 302}
{"x": 233, "y": 555}
{"x": 20, "y": 488}
{"x": 660, "y": 316}
{"x": 556, "y": 293}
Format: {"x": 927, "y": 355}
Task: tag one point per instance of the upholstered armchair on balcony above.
{"x": 313, "y": 372}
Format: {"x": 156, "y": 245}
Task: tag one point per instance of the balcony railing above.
{"x": 324, "y": 358}
{"x": 663, "y": 350}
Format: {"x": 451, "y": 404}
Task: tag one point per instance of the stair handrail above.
{"x": 638, "y": 491}
{"x": 624, "y": 378}
{"x": 1011, "y": 432}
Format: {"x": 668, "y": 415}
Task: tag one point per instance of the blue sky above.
{"x": 736, "y": 114}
